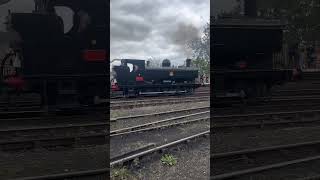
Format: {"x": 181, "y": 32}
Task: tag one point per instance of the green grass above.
{"x": 120, "y": 174}
{"x": 169, "y": 160}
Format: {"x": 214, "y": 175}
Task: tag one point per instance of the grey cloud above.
{"x": 131, "y": 28}
{"x": 149, "y": 8}
{"x": 157, "y": 28}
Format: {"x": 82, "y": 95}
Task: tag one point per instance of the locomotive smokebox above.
{"x": 166, "y": 63}
{"x": 250, "y": 8}
{"x": 188, "y": 62}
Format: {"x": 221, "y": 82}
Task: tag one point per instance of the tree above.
{"x": 301, "y": 17}
{"x": 201, "y": 51}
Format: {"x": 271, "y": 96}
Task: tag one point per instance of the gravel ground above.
{"x": 123, "y": 123}
{"x": 43, "y": 162}
{"x": 192, "y": 163}
{"x": 238, "y": 140}
{"x": 293, "y": 172}
{"x": 187, "y": 155}
{"x": 155, "y": 109}
{"x": 125, "y": 143}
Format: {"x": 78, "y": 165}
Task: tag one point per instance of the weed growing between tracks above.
{"x": 121, "y": 173}
{"x": 169, "y": 160}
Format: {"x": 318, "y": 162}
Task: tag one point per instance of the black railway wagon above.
{"x": 69, "y": 68}
{"x": 242, "y": 57}
{"x": 144, "y": 80}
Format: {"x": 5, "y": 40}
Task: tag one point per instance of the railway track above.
{"x": 140, "y": 133}
{"x": 196, "y": 94}
{"x": 266, "y": 120}
{"x": 35, "y": 129}
{"x": 293, "y": 105}
{"x": 165, "y": 123}
{"x": 273, "y": 105}
{"x": 296, "y": 92}
{"x": 155, "y": 102}
{"x": 242, "y": 163}
{"x": 148, "y": 151}
{"x": 314, "y": 177}
{"x": 97, "y": 174}
{"x": 127, "y": 121}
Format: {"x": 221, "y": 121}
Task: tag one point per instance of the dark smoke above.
{"x": 183, "y": 35}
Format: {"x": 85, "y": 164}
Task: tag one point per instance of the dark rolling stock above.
{"x": 144, "y": 80}
{"x": 242, "y": 57}
{"x": 68, "y": 68}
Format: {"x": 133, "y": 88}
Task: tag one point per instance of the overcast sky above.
{"x": 15, "y": 6}
{"x": 148, "y": 28}
{"x": 156, "y": 28}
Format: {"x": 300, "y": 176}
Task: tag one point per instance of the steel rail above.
{"x": 156, "y": 122}
{"x": 161, "y": 127}
{"x": 242, "y": 153}
{"x": 150, "y": 151}
{"x": 156, "y": 114}
{"x": 69, "y": 175}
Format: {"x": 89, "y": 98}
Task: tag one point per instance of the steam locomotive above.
{"x": 67, "y": 67}
{"x": 242, "y": 57}
{"x": 134, "y": 78}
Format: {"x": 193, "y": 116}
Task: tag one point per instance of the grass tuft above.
{"x": 120, "y": 174}
{"x": 169, "y": 160}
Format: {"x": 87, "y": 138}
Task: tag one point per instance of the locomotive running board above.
{"x": 166, "y": 92}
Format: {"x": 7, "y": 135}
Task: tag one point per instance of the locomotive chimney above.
{"x": 188, "y": 62}
{"x": 250, "y": 8}
{"x": 148, "y": 63}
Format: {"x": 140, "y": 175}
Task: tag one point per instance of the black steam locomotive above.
{"x": 134, "y": 78}
{"x": 67, "y": 67}
{"x": 242, "y": 57}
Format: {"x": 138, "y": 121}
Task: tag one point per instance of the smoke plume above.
{"x": 183, "y": 35}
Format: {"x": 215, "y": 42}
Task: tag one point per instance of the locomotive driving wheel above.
{"x": 9, "y": 80}
{"x": 7, "y": 68}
